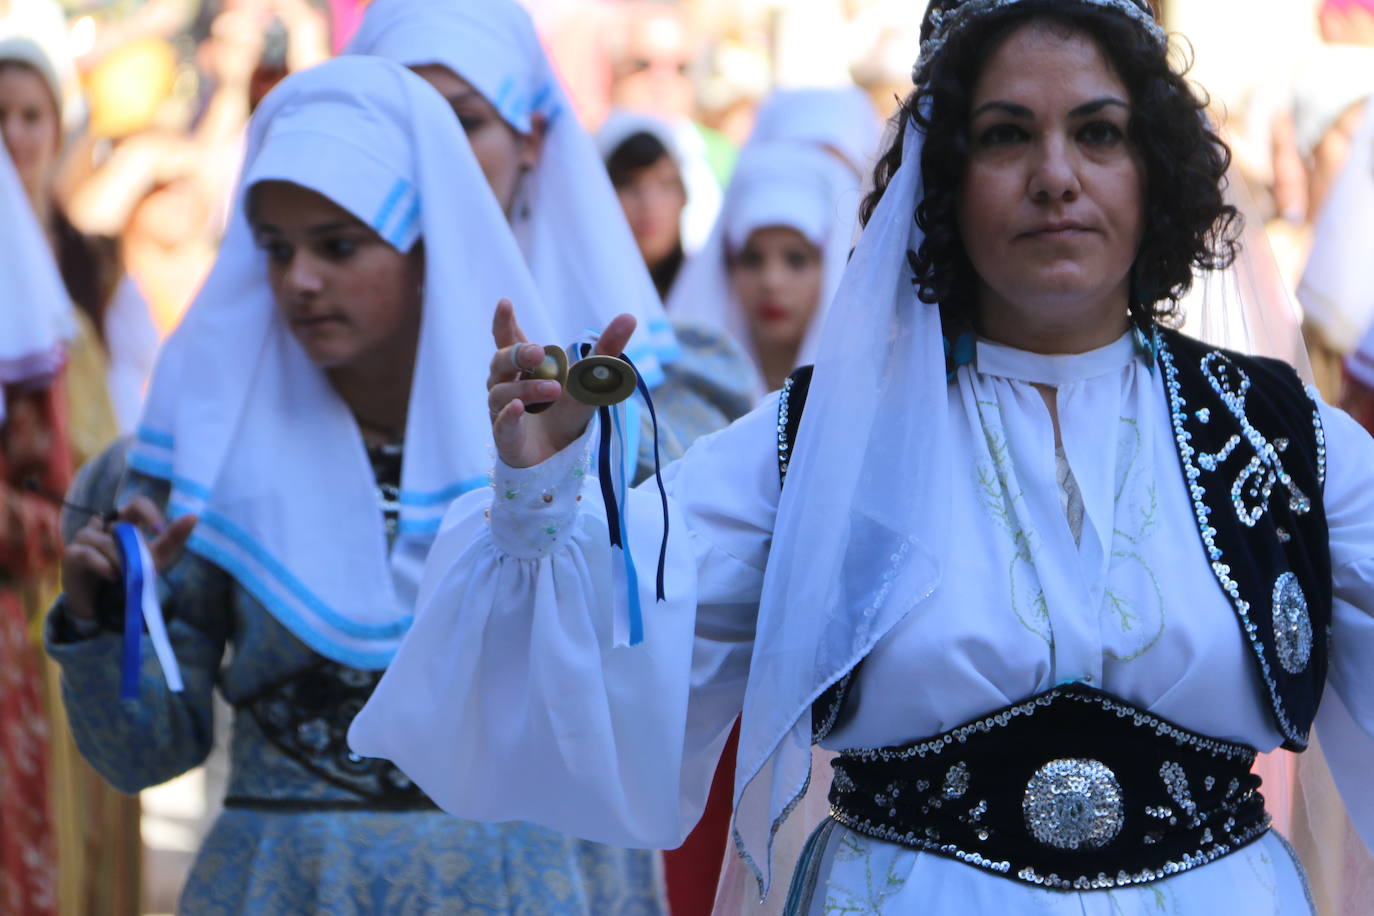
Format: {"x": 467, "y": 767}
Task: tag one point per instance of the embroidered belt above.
{"x": 1073, "y": 789}
{"x": 306, "y": 717}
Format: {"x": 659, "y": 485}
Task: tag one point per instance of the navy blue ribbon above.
{"x": 658, "y": 477}
{"x": 605, "y": 475}
{"x": 126, "y": 537}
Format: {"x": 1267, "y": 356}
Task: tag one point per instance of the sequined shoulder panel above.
{"x": 791, "y": 402}
{"x": 1253, "y": 455}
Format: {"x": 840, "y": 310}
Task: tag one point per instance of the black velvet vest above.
{"x": 1253, "y": 456}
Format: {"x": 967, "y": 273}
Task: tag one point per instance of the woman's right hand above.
{"x": 524, "y": 439}
{"x": 93, "y": 556}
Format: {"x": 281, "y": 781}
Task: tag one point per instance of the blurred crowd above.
{"x": 125, "y": 121}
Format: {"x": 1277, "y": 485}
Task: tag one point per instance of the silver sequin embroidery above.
{"x": 946, "y": 23}
{"x": 1292, "y": 624}
{"x": 1073, "y": 803}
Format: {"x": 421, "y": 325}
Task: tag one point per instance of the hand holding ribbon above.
{"x": 119, "y": 553}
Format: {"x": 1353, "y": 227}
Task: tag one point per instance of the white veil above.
{"x": 37, "y": 322}
{"x": 846, "y": 544}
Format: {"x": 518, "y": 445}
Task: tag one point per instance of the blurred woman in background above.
{"x": 774, "y": 258}
{"x": 646, "y": 172}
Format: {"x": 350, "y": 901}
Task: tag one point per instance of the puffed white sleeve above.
{"x": 1345, "y": 721}
{"x": 508, "y": 699}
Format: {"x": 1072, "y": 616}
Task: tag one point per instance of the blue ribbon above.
{"x": 636, "y": 610}
{"x": 658, "y": 477}
{"x": 126, "y": 537}
{"x": 614, "y": 500}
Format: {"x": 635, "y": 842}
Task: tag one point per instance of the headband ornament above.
{"x": 948, "y": 22}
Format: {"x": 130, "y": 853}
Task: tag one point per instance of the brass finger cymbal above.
{"x": 554, "y": 368}
{"x": 601, "y": 381}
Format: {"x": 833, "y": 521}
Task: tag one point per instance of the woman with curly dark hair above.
{"x": 1045, "y": 573}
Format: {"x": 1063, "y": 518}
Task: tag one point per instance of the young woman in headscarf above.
{"x": 1044, "y": 572}
{"x": 485, "y": 59}
{"x": 304, "y": 433}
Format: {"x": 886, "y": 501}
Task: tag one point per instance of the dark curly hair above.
{"x": 1187, "y": 222}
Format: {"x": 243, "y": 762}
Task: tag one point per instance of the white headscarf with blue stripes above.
{"x": 36, "y": 317}
{"x": 250, "y": 433}
{"x": 570, "y": 225}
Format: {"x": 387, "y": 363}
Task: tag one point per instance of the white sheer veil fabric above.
{"x": 1337, "y": 288}
{"x": 793, "y": 185}
{"x": 856, "y": 551}
{"x": 250, "y": 434}
{"x": 1248, "y": 307}
{"x": 566, "y": 217}
{"x": 37, "y": 322}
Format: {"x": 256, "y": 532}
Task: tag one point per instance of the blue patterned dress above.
{"x": 312, "y": 848}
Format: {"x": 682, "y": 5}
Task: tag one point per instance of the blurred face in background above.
{"x": 650, "y": 71}
{"x": 504, "y": 153}
{"x": 30, "y": 125}
{"x": 653, "y": 199}
{"x": 776, "y": 277}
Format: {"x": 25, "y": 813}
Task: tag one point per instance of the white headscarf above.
{"x": 250, "y": 433}
{"x": 36, "y": 319}
{"x": 1337, "y": 288}
{"x": 841, "y": 119}
{"x": 688, "y": 150}
{"x": 567, "y": 218}
{"x": 794, "y": 185}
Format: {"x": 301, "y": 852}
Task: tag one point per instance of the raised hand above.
{"x": 524, "y": 439}
{"x": 93, "y": 556}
